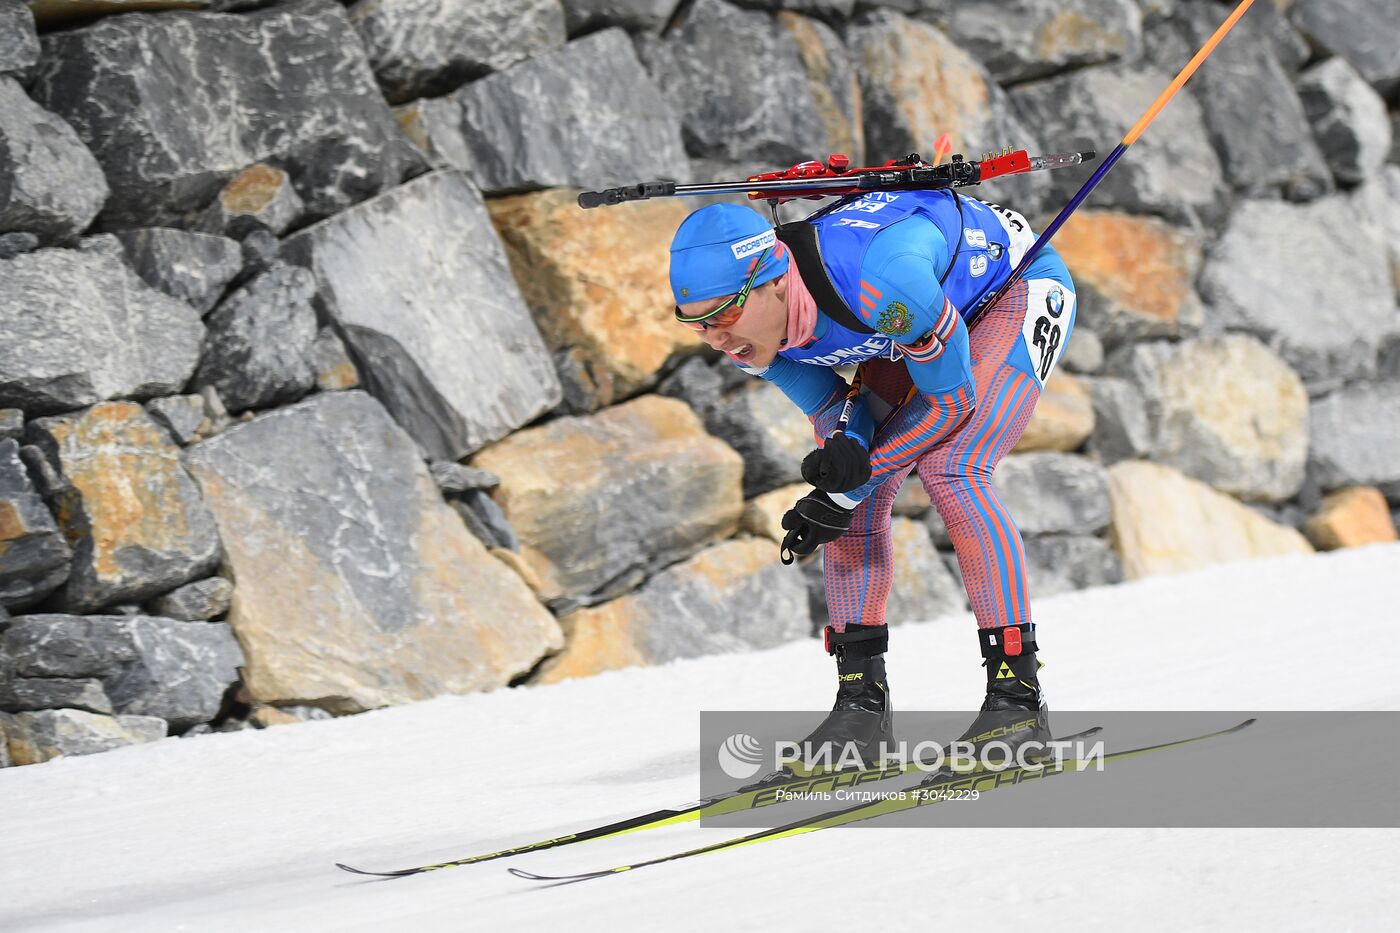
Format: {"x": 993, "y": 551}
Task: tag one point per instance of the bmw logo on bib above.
{"x": 1055, "y": 301}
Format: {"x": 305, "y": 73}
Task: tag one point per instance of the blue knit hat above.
{"x": 714, "y": 249}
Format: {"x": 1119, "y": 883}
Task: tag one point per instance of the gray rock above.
{"x": 1122, "y": 430}
{"x": 692, "y": 613}
{"x": 148, "y": 666}
{"x": 696, "y": 383}
{"x": 1053, "y": 493}
{"x": 1277, "y": 151}
{"x": 134, "y": 517}
{"x": 420, "y": 48}
{"x": 633, "y": 15}
{"x": 1348, "y": 120}
{"x": 260, "y": 194}
{"x": 356, "y": 586}
{"x": 257, "y": 352}
{"x": 1173, "y": 172}
{"x": 586, "y": 115}
{"x": 19, "y": 43}
{"x": 757, "y": 107}
{"x": 17, "y": 244}
{"x": 1059, "y": 563}
{"x": 648, "y": 509}
{"x": 899, "y": 60}
{"x": 1353, "y": 441}
{"x": 1389, "y": 366}
{"x": 1361, "y": 31}
{"x": 1084, "y": 353}
{"x": 53, "y": 186}
{"x": 936, "y": 12}
{"x": 47, "y": 480}
{"x": 430, "y": 245}
{"x": 583, "y": 389}
{"x": 833, "y": 82}
{"x": 11, "y": 424}
{"x": 1254, "y": 447}
{"x": 288, "y": 85}
{"x": 199, "y": 601}
{"x": 434, "y": 125}
{"x": 21, "y": 694}
{"x": 81, "y": 327}
{"x": 453, "y": 478}
{"x": 261, "y": 251}
{"x": 1025, "y": 39}
{"x": 34, "y": 558}
{"x": 483, "y": 533}
{"x": 181, "y": 415}
{"x": 48, "y": 734}
{"x": 216, "y": 417}
{"x": 1327, "y": 326}
{"x": 331, "y": 361}
{"x": 487, "y": 521}
{"x": 193, "y": 267}
{"x": 834, "y": 10}
{"x": 768, "y": 431}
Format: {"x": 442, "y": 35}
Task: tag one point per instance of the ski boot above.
{"x": 862, "y": 718}
{"x": 1014, "y": 711}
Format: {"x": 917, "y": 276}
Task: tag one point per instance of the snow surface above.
{"x": 239, "y": 831}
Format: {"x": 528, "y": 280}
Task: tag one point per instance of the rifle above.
{"x": 836, "y": 178}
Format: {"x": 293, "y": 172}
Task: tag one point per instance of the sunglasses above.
{"x": 728, "y": 313}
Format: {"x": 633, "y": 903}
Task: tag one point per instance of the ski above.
{"x": 740, "y": 799}
{"x": 866, "y": 811}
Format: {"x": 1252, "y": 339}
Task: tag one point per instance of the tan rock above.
{"x": 1351, "y": 517}
{"x": 835, "y": 89}
{"x": 1133, "y": 274}
{"x": 596, "y": 640}
{"x": 266, "y": 716}
{"x": 517, "y": 563}
{"x": 933, "y": 85}
{"x": 763, "y": 515}
{"x": 596, "y": 282}
{"x": 598, "y": 496}
{"x": 132, "y": 514}
{"x": 40, "y": 736}
{"x": 735, "y": 596}
{"x": 1166, "y": 522}
{"x": 1231, "y": 413}
{"x": 1063, "y": 419}
{"x": 356, "y": 586}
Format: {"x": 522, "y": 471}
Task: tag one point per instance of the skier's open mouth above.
{"x": 742, "y": 353}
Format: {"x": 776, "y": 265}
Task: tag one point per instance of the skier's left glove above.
{"x": 839, "y": 465}
{"x": 815, "y": 520}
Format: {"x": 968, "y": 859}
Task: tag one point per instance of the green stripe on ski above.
{"x": 893, "y": 804}
{"x": 656, "y": 819}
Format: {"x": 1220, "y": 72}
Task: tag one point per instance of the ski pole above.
{"x": 1162, "y": 100}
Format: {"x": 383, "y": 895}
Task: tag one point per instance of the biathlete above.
{"x": 889, "y": 281}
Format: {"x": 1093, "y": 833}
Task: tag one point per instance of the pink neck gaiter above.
{"x": 801, "y": 307}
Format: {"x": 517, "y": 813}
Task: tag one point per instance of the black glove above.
{"x": 840, "y": 466}
{"x": 815, "y": 520}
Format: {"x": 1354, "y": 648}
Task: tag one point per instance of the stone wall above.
{"x": 318, "y": 394}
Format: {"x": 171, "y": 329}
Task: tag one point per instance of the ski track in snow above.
{"x": 238, "y": 832}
